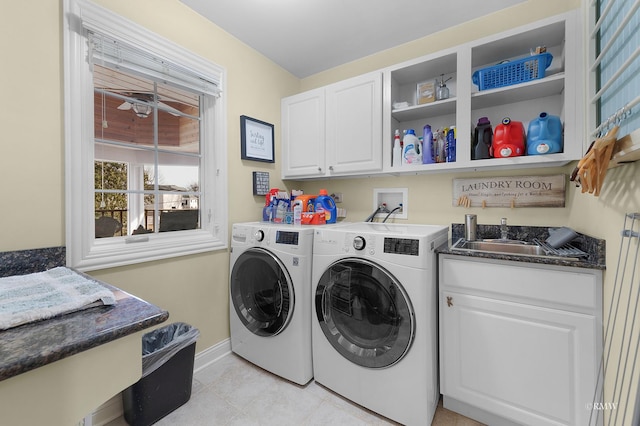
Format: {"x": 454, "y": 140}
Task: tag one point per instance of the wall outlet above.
{"x": 392, "y": 198}
{"x": 337, "y": 197}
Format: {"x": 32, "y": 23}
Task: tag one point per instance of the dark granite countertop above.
{"x": 593, "y": 246}
{"x": 36, "y": 344}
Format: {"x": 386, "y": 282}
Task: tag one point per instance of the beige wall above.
{"x": 430, "y": 196}
{"x": 194, "y": 288}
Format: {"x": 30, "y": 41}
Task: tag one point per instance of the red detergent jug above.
{"x": 508, "y": 139}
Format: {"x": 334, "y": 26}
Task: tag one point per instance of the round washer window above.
{"x": 261, "y": 292}
{"x": 364, "y": 313}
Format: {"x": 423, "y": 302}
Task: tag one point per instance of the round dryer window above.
{"x": 364, "y": 313}
{"x": 261, "y": 292}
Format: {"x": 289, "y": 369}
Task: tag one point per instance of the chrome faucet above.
{"x": 504, "y": 232}
{"x": 470, "y": 227}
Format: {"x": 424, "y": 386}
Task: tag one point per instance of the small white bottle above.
{"x": 397, "y": 150}
{"x": 297, "y": 214}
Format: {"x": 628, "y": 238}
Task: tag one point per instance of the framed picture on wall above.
{"x": 256, "y": 140}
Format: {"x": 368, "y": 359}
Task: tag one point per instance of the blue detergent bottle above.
{"x": 544, "y": 135}
{"x": 427, "y": 145}
{"x": 325, "y": 202}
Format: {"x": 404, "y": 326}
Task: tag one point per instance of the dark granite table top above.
{"x": 36, "y": 344}
{"x": 595, "y": 248}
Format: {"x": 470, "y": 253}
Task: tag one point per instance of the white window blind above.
{"x": 106, "y": 50}
{"x": 615, "y": 65}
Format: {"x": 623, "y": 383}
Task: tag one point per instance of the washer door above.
{"x": 365, "y": 313}
{"x": 261, "y": 292}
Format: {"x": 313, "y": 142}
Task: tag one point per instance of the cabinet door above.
{"x": 354, "y": 125}
{"x": 529, "y": 364}
{"x": 303, "y": 135}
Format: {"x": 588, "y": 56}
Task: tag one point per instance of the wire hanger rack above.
{"x": 626, "y": 281}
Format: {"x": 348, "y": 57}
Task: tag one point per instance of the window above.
{"x": 614, "y": 48}
{"x": 145, "y": 144}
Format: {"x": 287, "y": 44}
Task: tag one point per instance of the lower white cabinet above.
{"x": 520, "y": 343}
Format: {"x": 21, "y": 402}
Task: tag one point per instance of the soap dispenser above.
{"x": 443, "y": 90}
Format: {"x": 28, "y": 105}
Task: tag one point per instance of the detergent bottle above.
{"x": 508, "y": 139}
{"x": 427, "y": 145}
{"x": 482, "y": 140}
{"x": 410, "y": 148}
{"x": 325, "y": 203}
{"x": 544, "y": 135}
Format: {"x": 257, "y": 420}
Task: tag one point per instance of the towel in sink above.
{"x": 42, "y": 295}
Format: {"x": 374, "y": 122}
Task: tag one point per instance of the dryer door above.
{"x": 365, "y": 313}
{"x": 261, "y": 292}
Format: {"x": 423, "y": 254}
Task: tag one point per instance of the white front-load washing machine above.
{"x": 270, "y": 297}
{"x": 374, "y": 327}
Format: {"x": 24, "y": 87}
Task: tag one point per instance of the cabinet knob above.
{"x": 331, "y": 168}
{"x": 449, "y": 301}
{"x": 320, "y": 169}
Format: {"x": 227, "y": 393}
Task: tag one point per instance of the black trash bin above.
{"x": 167, "y": 374}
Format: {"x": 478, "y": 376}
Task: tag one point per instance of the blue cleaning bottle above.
{"x": 544, "y": 135}
{"x": 451, "y": 145}
{"x": 326, "y": 203}
{"x": 427, "y": 145}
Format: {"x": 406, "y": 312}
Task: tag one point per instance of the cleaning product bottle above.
{"x": 544, "y": 135}
{"x": 508, "y": 139}
{"x": 440, "y": 142}
{"x": 297, "y": 214}
{"x": 325, "y": 203}
{"x": 268, "y": 211}
{"x": 482, "y": 140}
{"x": 427, "y": 145}
{"x": 410, "y": 149}
{"x": 397, "y": 150}
{"x": 451, "y": 145}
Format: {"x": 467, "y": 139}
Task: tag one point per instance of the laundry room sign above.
{"x": 510, "y": 191}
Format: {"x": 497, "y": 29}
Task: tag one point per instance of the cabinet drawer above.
{"x": 519, "y": 280}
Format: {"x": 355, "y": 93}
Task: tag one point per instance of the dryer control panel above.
{"x": 287, "y": 237}
{"x": 408, "y": 246}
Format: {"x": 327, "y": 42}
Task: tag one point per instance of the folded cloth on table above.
{"x": 42, "y": 295}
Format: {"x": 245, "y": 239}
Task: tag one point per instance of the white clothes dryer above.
{"x": 374, "y": 327}
{"x": 270, "y": 297}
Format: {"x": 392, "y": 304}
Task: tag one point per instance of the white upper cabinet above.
{"x": 348, "y": 128}
{"x": 303, "y": 135}
{"x": 558, "y": 93}
{"x": 333, "y": 131}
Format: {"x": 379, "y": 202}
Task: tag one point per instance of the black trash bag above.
{"x": 160, "y": 345}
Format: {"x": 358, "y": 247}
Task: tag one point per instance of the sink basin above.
{"x": 500, "y": 246}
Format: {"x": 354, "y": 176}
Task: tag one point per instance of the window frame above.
{"x": 84, "y": 251}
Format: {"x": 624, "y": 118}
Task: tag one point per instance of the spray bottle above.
{"x": 397, "y": 150}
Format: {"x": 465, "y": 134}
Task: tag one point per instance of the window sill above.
{"x": 120, "y": 251}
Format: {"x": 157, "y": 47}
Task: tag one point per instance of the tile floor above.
{"x": 231, "y": 392}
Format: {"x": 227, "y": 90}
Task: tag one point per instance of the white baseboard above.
{"x": 112, "y": 409}
{"x": 212, "y": 354}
